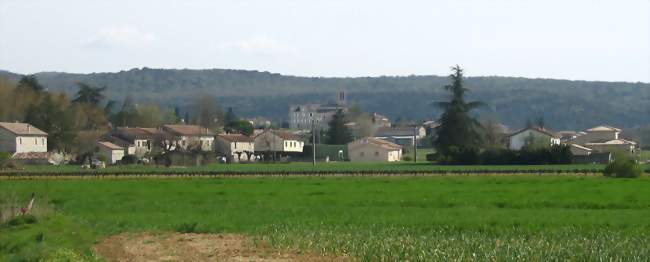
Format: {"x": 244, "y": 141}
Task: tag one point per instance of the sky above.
{"x": 576, "y": 39}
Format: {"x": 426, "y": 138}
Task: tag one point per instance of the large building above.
{"x": 302, "y": 116}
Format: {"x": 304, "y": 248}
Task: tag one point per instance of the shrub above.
{"x": 407, "y": 158}
{"x": 186, "y": 228}
{"x": 623, "y": 166}
{"x": 22, "y": 220}
{"x": 5, "y": 159}
{"x": 431, "y": 157}
{"x": 129, "y": 160}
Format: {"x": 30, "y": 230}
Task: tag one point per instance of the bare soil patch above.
{"x": 195, "y": 247}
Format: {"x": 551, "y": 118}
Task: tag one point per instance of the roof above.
{"x": 580, "y": 147}
{"x": 109, "y": 145}
{"x": 395, "y": 131}
{"x": 612, "y": 142}
{"x": 31, "y": 155}
{"x": 137, "y": 132}
{"x": 188, "y": 130}
{"x": 282, "y": 134}
{"x": 544, "y": 131}
{"x": 603, "y": 128}
{"x": 236, "y": 138}
{"x": 22, "y": 129}
{"x": 376, "y": 141}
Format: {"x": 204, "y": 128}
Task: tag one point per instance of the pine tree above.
{"x": 338, "y": 133}
{"x": 458, "y": 131}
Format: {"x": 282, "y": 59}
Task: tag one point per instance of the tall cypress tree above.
{"x": 458, "y": 131}
{"x": 338, "y": 133}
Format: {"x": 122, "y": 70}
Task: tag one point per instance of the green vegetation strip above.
{"x": 304, "y": 169}
{"x": 512, "y": 218}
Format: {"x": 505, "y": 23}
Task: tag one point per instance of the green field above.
{"x": 514, "y": 217}
{"x": 307, "y": 168}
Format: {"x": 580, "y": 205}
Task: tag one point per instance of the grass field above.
{"x": 539, "y": 218}
{"x": 307, "y": 168}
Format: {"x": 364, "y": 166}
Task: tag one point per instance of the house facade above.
{"x": 110, "y": 151}
{"x": 236, "y": 147}
{"x": 604, "y": 139}
{"x": 189, "y": 136}
{"x": 519, "y": 139}
{"x": 371, "y": 149}
{"x": 278, "y": 141}
{"x": 22, "y": 138}
{"x": 136, "y": 140}
{"x": 404, "y": 136}
{"x": 301, "y": 117}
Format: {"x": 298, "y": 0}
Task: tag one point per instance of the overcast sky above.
{"x": 568, "y": 39}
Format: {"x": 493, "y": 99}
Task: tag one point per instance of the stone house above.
{"x": 21, "y": 138}
{"x": 278, "y": 141}
{"x": 188, "y": 136}
{"x": 110, "y": 151}
{"x": 371, "y": 149}
{"x": 236, "y": 147}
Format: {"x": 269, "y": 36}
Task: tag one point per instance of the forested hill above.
{"x": 563, "y": 104}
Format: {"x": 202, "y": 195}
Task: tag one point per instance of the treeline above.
{"x": 566, "y": 104}
{"x": 75, "y": 123}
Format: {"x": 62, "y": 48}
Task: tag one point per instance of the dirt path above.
{"x": 195, "y": 247}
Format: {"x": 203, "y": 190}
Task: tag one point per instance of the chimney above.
{"x": 29, "y": 128}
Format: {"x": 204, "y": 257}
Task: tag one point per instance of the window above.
{"x": 376, "y": 153}
{"x": 235, "y": 145}
{"x": 20, "y": 140}
{"x": 362, "y": 154}
{"x": 42, "y": 141}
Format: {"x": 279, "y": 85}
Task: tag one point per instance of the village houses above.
{"x": 278, "y": 141}
{"x": 188, "y": 136}
{"x": 236, "y": 147}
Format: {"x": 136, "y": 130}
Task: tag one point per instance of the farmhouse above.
{"x": 136, "y": 140}
{"x": 278, "y": 141}
{"x": 371, "y": 149}
{"x": 604, "y": 139}
{"x": 110, "y": 151}
{"x": 404, "y": 136}
{"x": 190, "y": 136}
{"x": 522, "y": 137}
{"x": 21, "y": 138}
{"x": 236, "y": 147}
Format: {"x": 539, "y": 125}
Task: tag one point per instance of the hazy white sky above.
{"x": 569, "y": 39}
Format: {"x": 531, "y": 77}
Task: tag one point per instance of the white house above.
{"x": 578, "y": 150}
{"x": 22, "y": 138}
{"x": 520, "y": 138}
{"x": 374, "y": 150}
{"x": 237, "y": 147}
{"x": 278, "y": 141}
{"x": 405, "y": 136}
{"x": 110, "y": 151}
{"x": 191, "y": 135}
{"x": 604, "y": 139}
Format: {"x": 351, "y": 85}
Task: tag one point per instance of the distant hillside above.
{"x": 564, "y": 104}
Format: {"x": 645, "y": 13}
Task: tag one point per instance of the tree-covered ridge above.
{"x": 563, "y": 104}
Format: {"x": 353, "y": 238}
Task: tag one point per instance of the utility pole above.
{"x": 313, "y": 140}
{"x": 415, "y": 145}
